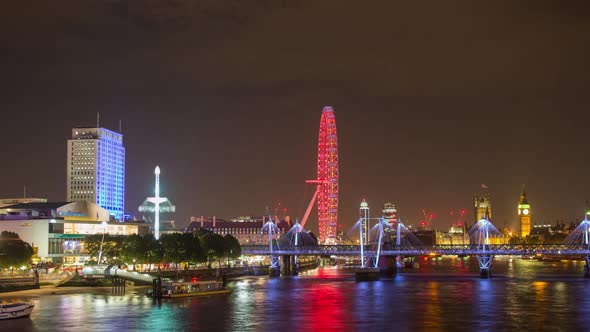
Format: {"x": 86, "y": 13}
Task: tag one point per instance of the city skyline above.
{"x": 427, "y": 110}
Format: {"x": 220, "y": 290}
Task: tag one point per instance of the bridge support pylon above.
{"x": 285, "y": 265}
{"x": 587, "y": 267}
{"x": 118, "y": 286}
{"x": 289, "y": 265}
{"x": 388, "y": 266}
{"x": 485, "y": 265}
{"x": 157, "y": 288}
{"x": 274, "y": 270}
{"x": 294, "y": 266}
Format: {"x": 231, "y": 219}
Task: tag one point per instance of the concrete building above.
{"x": 57, "y": 229}
{"x": 247, "y": 230}
{"x": 96, "y": 169}
{"x": 12, "y": 201}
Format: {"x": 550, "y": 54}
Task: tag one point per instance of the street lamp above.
{"x": 104, "y": 229}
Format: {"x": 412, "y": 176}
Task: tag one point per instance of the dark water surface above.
{"x": 444, "y": 294}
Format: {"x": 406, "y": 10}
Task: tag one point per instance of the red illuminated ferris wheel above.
{"x": 327, "y": 180}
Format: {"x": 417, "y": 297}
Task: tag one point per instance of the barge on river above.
{"x": 174, "y": 289}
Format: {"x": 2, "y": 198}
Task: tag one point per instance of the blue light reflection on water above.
{"x": 444, "y": 294}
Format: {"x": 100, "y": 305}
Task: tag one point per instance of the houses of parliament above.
{"x": 483, "y": 210}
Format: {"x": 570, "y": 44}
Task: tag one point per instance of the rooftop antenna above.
{"x": 97, "y": 120}
{"x": 25, "y": 191}
{"x": 120, "y": 127}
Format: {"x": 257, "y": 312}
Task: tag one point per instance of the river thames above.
{"x": 443, "y": 294}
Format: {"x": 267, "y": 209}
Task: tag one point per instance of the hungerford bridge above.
{"x": 380, "y": 257}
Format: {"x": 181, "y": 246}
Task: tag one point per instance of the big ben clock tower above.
{"x": 524, "y": 214}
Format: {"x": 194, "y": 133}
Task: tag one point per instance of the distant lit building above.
{"x": 364, "y": 215}
{"x": 482, "y": 207}
{"x": 169, "y": 227}
{"x": 426, "y": 237}
{"x": 96, "y": 169}
{"x": 524, "y": 215}
{"x": 247, "y": 230}
{"x": 456, "y": 235}
{"x": 390, "y": 213}
{"x": 57, "y": 230}
{"x": 541, "y": 232}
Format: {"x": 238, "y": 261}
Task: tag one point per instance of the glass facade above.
{"x": 96, "y": 169}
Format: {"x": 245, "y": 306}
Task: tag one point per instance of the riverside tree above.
{"x": 177, "y": 248}
{"x": 111, "y": 246}
{"x": 14, "y": 251}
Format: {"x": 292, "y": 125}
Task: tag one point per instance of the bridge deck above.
{"x": 354, "y": 250}
{"x": 114, "y": 271}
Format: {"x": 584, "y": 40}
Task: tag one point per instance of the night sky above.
{"x": 431, "y": 101}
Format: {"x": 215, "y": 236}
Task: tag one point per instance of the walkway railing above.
{"x": 114, "y": 271}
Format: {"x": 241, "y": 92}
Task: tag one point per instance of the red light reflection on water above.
{"x": 323, "y": 308}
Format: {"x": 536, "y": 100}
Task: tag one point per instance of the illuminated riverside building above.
{"x": 96, "y": 169}
{"x": 524, "y": 215}
{"x": 247, "y": 230}
{"x": 456, "y": 235}
{"x": 57, "y": 230}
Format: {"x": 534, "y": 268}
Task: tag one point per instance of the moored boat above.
{"x": 527, "y": 257}
{"x": 15, "y": 310}
{"x": 174, "y": 289}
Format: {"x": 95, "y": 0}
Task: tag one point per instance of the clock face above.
{"x": 525, "y": 212}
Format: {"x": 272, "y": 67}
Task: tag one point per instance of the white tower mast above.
{"x": 157, "y": 204}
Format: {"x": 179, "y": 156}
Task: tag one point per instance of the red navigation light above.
{"x": 459, "y": 224}
{"x": 463, "y": 212}
{"x": 194, "y": 280}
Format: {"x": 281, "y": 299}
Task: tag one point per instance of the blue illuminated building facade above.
{"x": 96, "y": 169}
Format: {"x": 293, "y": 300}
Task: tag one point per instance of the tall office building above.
{"x": 96, "y": 169}
{"x": 390, "y": 213}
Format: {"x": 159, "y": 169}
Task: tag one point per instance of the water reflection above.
{"x": 444, "y": 294}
